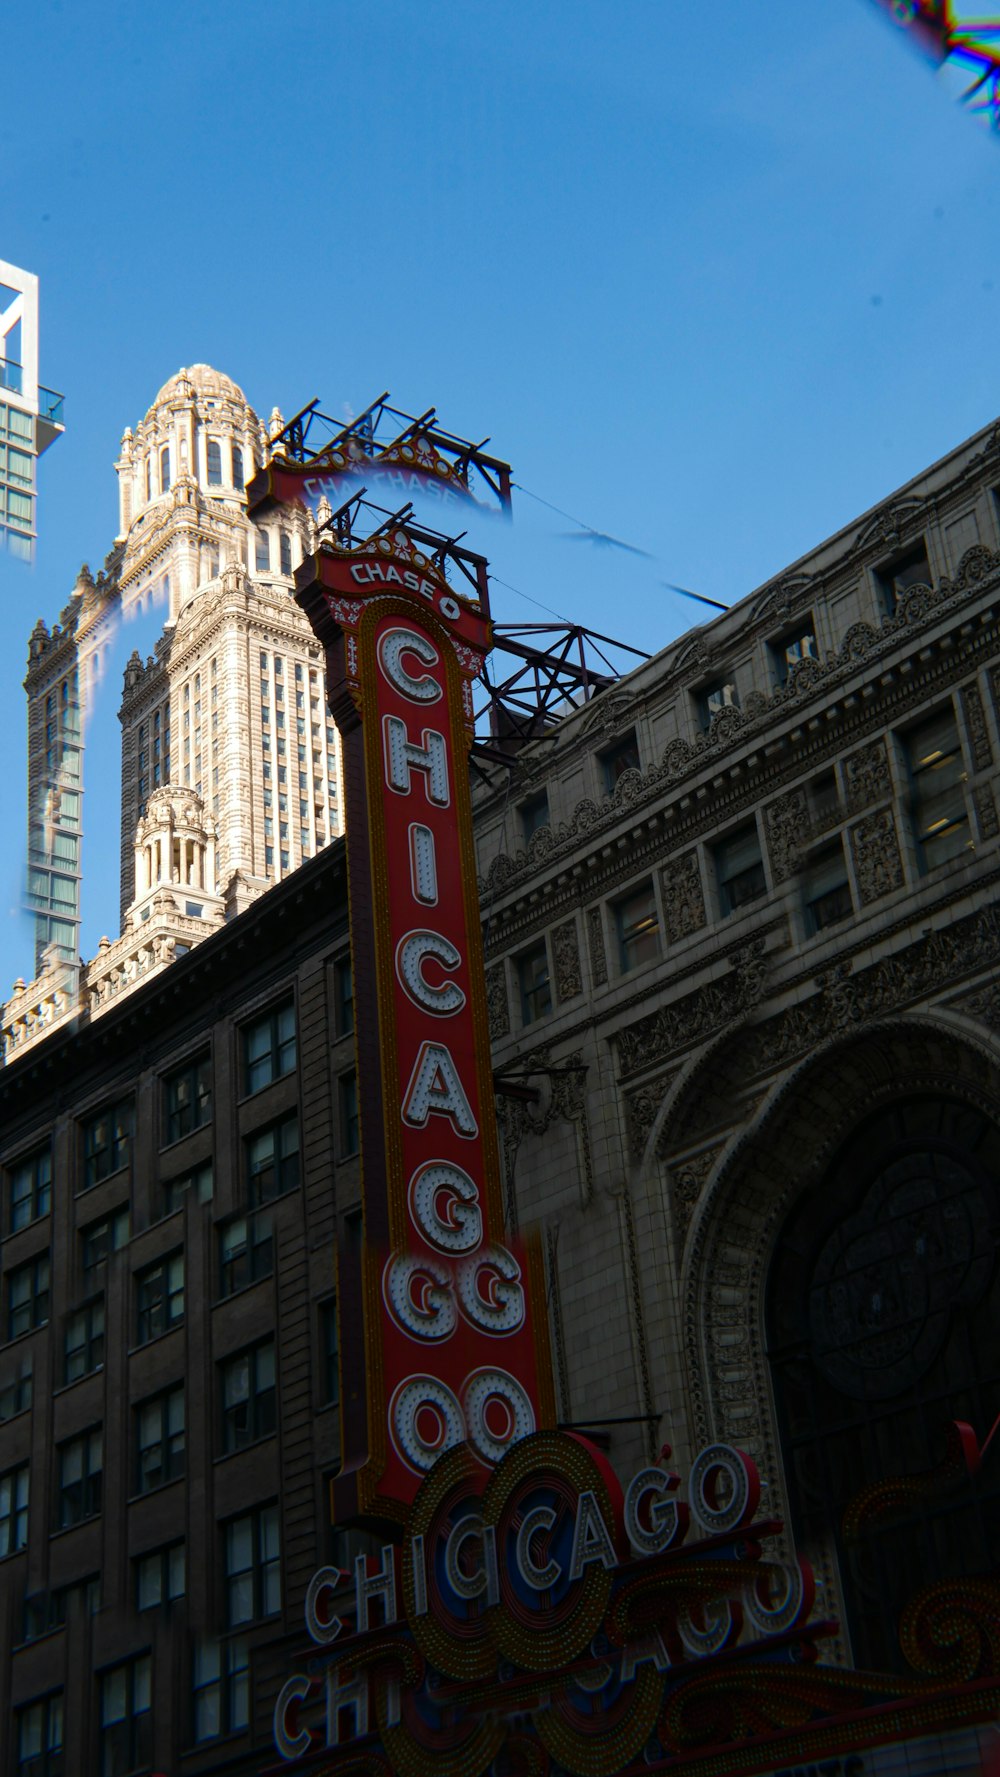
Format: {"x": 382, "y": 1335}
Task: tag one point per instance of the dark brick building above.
{"x": 172, "y": 1175}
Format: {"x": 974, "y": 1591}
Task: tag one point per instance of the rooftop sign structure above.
{"x": 31, "y": 416}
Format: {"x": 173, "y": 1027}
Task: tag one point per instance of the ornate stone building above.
{"x": 230, "y": 707}
{"x": 231, "y": 704}
{"x": 743, "y": 946}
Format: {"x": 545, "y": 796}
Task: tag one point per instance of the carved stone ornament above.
{"x": 496, "y": 1002}
{"x": 866, "y": 774}
{"x": 778, "y": 601}
{"x": 687, "y": 1180}
{"x": 696, "y": 656}
{"x": 608, "y": 713}
{"x": 563, "y": 1099}
{"x": 566, "y": 956}
{"x": 975, "y": 722}
{"x": 984, "y": 1006}
{"x": 595, "y": 936}
{"x": 689, "y": 1020}
{"x": 877, "y": 863}
{"x": 786, "y": 823}
{"x": 683, "y": 900}
{"x": 849, "y": 999}
{"x": 890, "y": 526}
{"x": 986, "y": 812}
{"x": 641, "y": 1110}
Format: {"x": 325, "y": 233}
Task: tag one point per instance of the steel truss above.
{"x": 560, "y": 666}
{"x": 381, "y": 435}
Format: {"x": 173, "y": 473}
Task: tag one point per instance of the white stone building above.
{"x": 229, "y": 712}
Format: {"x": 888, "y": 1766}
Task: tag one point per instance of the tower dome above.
{"x": 200, "y": 380}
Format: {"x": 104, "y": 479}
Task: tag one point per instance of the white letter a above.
{"x": 435, "y": 1086}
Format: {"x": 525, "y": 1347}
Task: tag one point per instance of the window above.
{"x": 188, "y": 1095}
{"x": 824, "y": 799}
{"x": 246, "y": 1252}
{"x": 269, "y": 1048}
{"x": 616, "y": 760}
{"x": 106, "y": 1142}
{"x": 713, "y": 698}
{"x": 937, "y": 774}
{"x": 221, "y": 1687}
{"x": 343, "y": 982}
{"x": 28, "y": 1296}
{"x": 637, "y": 927}
{"x": 285, "y": 544}
{"x": 329, "y": 1353}
{"x": 213, "y": 460}
{"x": 30, "y": 1189}
{"x": 248, "y": 1397}
{"x": 795, "y": 645}
{"x": 99, "y": 1239}
{"x": 262, "y": 550}
{"x": 83, "y": 1349}
{"x": 237, "y": 467}
{"x": 40, "y": 1738}
{"x": 534, "y": 813}
{"x": 174, "y": 1192}
{"x": 159, "y": 1297}
{"x": 350, "y": 1136}
{"x": 14, "y": 1510}
{"x": 252, "y": 1565}
{"x": 825, "y": 891}
{"x": 160, "y": 1577}
{"x": 909, "y": 568}
{"x": 15, "y": 1395}
{"x": 165, "y": 469}
{"x": 533, "y": 983}
{"x": 81, "y": 1462}
{"x": 739, "y": 869}
{"x": 159, "y": 1440}
{"x": 126, "y": 1718}
{"x": 273, "y": 1161}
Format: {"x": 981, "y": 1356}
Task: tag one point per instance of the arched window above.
{"x": 262, "y": 551}
{"x": 883, "y": 1328}
{"x": 149, "y": 478}
{"x": 165, "y": 469}
{"x": 286, "y": 552}
{"x": 213, "y": 460}
{"x": 237, "y": 466}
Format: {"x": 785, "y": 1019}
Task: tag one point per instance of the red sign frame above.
{"x": 453, "y": 1343}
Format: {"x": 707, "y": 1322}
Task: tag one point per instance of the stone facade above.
{"x": 824, "y": 945}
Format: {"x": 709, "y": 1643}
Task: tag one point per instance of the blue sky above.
{"x": 715, "y": 279}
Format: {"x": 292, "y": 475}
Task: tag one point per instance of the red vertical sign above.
{"x": 440, "y": 1315}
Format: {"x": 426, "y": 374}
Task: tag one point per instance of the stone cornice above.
{"x": 795, "y": 730}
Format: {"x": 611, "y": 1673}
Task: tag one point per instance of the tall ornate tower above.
{"x": 231, "y": 704}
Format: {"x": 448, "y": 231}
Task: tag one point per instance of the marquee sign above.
{"x": 442, "y": 1339}
{"x": 542, "y": 1619}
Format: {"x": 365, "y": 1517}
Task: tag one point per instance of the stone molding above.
{"x": 862, "y": 643}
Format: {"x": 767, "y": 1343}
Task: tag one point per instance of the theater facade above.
{"x": 741, "y": 942}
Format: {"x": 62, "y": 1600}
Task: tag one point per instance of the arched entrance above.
{"x": 842, "y": 1307}
{"x": 883, "y": 1327}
